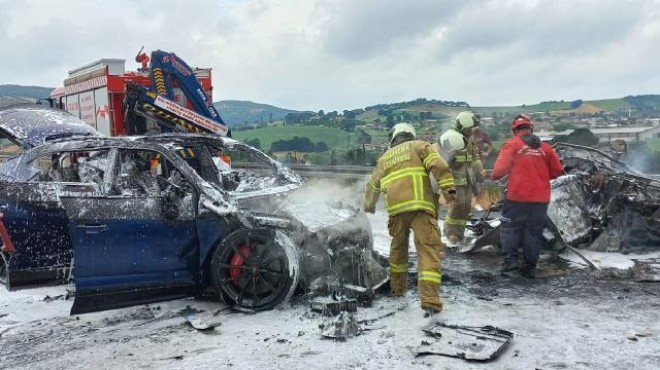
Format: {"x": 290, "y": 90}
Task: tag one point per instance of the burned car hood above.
{"x": 30, "y": 125}
{"x": 334, "y": 235}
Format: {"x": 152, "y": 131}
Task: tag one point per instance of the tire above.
{"x": 255, "y": 269}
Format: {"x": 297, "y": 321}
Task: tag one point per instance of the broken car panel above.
{"x": 600, "y": 204}
{"x": 612, "y": 207}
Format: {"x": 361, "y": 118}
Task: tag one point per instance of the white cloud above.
{"x": 344, "y": 54}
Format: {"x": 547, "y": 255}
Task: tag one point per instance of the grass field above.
{"x": 378, "y": 136}
{"x": 607, "y": 104}
{"x": 610, "y": 104}
{"x": 334, "y": 137}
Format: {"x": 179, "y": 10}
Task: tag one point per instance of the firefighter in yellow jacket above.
{"x": 460, "y": 151}
{"x": 402, "y": 175}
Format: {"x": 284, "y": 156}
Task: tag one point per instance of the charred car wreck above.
{"x": 601, "y": 204}
{"x": 147, "y": 219}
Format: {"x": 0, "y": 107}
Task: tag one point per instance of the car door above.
{"x": 37, "y": 227}
{"x": 138, "y": 242}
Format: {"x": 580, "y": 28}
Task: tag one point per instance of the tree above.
{"x": 390, "y": 120}
{"x": 363, "y": 137}
{"x": 581, "y": 136}
{"x": 321, "y": 147}
{"x": 563, "y": 126}
{"x": 298, "y": 144}
{"x": 425, "y": 115}
{"x": 254, "y": 142}
{"x": 349, "y": 124}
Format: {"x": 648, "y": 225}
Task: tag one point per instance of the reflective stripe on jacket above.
{"x": 402, "y": 175}
{"x": 464, "y": 164}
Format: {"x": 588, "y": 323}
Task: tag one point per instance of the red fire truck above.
{"x": 96, "y": 93}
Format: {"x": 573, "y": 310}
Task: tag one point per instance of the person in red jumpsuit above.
{"x": 530, "y": 165}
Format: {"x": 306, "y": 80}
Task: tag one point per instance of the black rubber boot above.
{"x": 508, "y": 266}
{"x": 528, "y": 271}
{"x": 430, "y": 312}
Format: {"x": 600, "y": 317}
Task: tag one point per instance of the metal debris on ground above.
{"x": 343, "y": 326}
{"x": 198, "y": 322}
{"x": 470, "y": 343}
{"x": 333, "y": 308}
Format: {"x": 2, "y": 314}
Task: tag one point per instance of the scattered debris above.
{"x": 343, "y": 326}
{"x": 470, "y": 343}
{"x": 55, "y": 298}
{"x": 197, "y": 320}
{"x": 585, "y": 259}
{"x": 392, "y": 313}
{"x": 333, "y": 308}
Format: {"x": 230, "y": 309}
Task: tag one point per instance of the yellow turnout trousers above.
{"x": 430, "y": 253}
{"x": 459, "y": 212}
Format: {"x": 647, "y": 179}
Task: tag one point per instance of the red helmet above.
{"x": 521, "y": 121}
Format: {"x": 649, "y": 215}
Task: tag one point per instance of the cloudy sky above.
{"x": 345, "y": 54}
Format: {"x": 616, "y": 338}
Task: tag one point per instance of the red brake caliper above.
{"x": 238, "y": 261}
{"x": 7, "y": 245}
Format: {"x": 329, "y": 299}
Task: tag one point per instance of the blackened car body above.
{"x": 145, "y": 219}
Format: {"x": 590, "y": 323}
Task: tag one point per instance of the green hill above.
{"x": 25, "y": 92}
{"x": 334, "y": 137}
{"x": 635, "y": 102}
{"x": 236, "y": 112}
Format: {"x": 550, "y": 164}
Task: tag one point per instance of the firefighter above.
{"x": 402, "y": 174}
{"x": 459, "y": 150}
{"x": 530, "y": 165}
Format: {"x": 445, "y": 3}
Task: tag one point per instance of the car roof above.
{"x": 31, "y": 125}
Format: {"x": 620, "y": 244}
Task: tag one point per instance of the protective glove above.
{"x": 483, "y": 173}
{"x": 450, "y": 195}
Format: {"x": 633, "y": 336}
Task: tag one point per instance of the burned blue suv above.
{"x": 137, "y": 220}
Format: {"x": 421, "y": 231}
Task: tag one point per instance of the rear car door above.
{"x": 38, "y": 245}
{"x": 34, "y": 218}
{"x": 137, "y": 243}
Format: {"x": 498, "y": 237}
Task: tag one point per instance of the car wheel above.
{"x": 4, "y": 268}
{"x": 255, "y": 269}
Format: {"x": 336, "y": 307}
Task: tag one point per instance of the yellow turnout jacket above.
{"x": 402, "y": 175}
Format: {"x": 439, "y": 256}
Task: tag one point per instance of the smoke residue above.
{"x": 325, "y": 202}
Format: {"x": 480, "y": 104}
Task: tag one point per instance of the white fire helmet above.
{"x": 452, "y": 140}
{"x": 401, "y": 128}
{"x": 466, "y": 119}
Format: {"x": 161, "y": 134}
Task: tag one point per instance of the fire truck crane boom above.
{"x": 158, "y": 102}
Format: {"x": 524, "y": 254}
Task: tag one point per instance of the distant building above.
{"x": 629, "y": 134}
